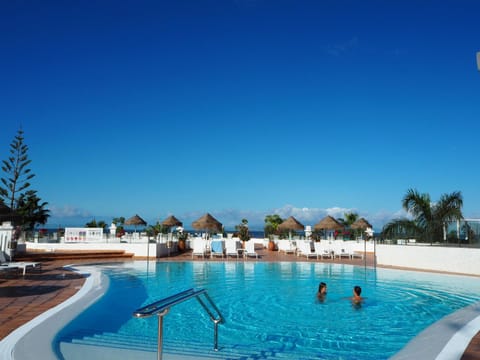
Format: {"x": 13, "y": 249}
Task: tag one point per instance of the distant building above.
{"x": 83, "y": 235}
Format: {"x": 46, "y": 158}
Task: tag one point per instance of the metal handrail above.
{"x": 162, "y": 307}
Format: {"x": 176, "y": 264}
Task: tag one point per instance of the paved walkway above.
{"x": 24, "y": 298}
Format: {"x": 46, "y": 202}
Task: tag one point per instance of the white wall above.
{"x": 6, "y": 230}
{"x": 139, "y": 250}
{"x": 456, "y": 260}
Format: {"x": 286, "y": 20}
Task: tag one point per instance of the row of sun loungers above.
{"x": 326, "y": 250}
{"x": 320, "y": 249}
{"x": 229, "y": 247}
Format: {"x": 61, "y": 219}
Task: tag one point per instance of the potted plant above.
{"x": 243, "y": 232}
{"x": 271, "y": 244}
{"x": 182, "y": 237}
{"x": 271, "y": 229}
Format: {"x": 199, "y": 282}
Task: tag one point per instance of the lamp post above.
{"x": 478, "y": 60}
{"x": 368, "y": 233}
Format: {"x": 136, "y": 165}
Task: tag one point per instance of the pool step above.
{"x": 124, "y": 346}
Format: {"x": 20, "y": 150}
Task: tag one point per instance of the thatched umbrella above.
{"x": 135, "y": 221}
{"x": 328, "y": 223}
{"x": 171, "y": 221}
{"x": 291, "y": 224}
{"x": 361, "y": 224}
{"x": 207, "y": 222}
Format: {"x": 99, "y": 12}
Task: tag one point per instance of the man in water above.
{"x": 357, "y": 298}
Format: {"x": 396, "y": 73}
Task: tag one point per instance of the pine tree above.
{"x": 15, "y": 187}
{"x": 17, "y": 171}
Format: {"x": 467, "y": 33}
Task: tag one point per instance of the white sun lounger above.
{"x": 322, "y": 250}
{"x": 6, "y": 268}
{"x": 17, "y": 264}
{"x": 231, "y": 247}
{"x": 199, "y": 247}
{"x": 304, "y": 249}
{"x": 217, "y": 248}
{"x": 341, "y": 250}
{"x": 250, "y": 249}
{"x": 286, "y": 246}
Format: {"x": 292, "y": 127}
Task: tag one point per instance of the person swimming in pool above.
{"x": 322, "y": 291}
{"x": 357, "y": 299}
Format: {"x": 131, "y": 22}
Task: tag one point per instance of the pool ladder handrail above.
{"x": 162, "y": 307}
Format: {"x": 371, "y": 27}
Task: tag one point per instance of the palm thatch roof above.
{"x": 135, "y": 220}
{"x": 207, "y": 222}
{"x": 328, "y": 223}
{"x": 291, "y": 224}
{"x": 172, "y": 221}
{"x": 361, "y": 224}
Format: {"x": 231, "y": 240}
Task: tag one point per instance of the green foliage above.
{"x": 158, "y": 228}
{"x": 182, "y": 235}
{"x": 14, "y": 188}
{"x": 242, "y": 229}
{"x": 119, "y": 221}
{"x": 350, "y": 218}
{"x": 271, "y": 224}
{"x": 32, "y": 210}
{"x": 428, "y": 219}
{"x": 95, "y": 224}
{"x": 17, "y": 172}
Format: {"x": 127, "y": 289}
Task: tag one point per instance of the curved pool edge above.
{"x": 446, "y": 339}
{"x": 39, "y": 333}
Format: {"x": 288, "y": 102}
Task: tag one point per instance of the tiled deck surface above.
{"x": 24, "y": 298}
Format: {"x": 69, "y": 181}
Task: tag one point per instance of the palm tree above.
{"x": 350, "y": 218}
{"x": 428, "y": 219}
{"x": 32, "y": 210}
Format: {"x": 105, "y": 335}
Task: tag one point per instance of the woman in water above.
{"x": 322, "y": 291}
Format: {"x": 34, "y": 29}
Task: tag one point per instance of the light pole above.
{"x": 478, "y": 60}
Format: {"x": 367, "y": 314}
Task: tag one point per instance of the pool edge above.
{"x": 446, "y": 339}
{"x": 40, "y": 332}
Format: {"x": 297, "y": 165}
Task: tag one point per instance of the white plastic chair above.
{"x": 322, "y": 250}
{"x": 231, "y": 247}
{"x": 304, "y": 249}
{"x": 341, "y": 250}
{"x": 286, "y": 246}
{"x": 250, "y": 249}
{"x": 199, "y": 247}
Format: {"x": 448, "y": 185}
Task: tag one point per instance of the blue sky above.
{"x": 242, "y": 108}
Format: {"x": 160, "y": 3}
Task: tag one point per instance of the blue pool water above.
{"x": 271, "y": 310}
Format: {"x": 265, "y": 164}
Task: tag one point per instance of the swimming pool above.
{"x": 270, "y": 309}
